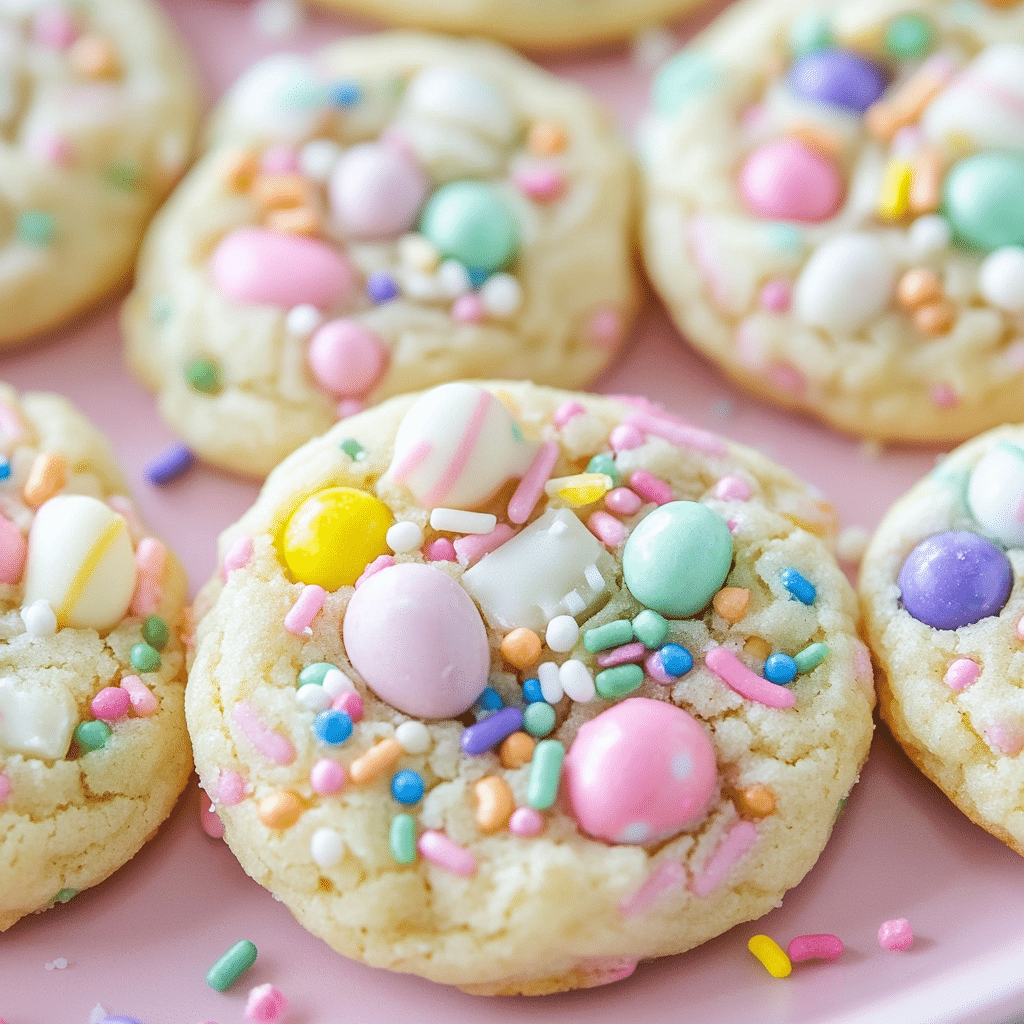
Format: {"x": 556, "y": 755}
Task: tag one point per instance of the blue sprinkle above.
{"x": 344, "y": 94}
{"x": 802, "y": 589}
{"x": 381, "y": 287}
{"x": 407, "y": 787}
{"x": 532, "y": 691}
{"x": 477, "y": 739}
{"x": 5, "y": 470}
{"x": 490, "y": 700}
{"x": 477, "y": 275}
{"x": 780, "y": 669}
{"x": 675, "y": 660}
{"x": 332, "y": 727}
{"x": 168, "y": 466}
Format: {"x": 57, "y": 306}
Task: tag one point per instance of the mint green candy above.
{"x": 145, "y": 658}
{"x": 36, "y": 227}
{"x": 982, "y": 200}
{"x": 92, "y": 736}
{"x": 677, "y": 558}
{"x": 204, "y": 376}
{"x": 686, "y": 75}
{"x": 809, "y": 31}
{"x": 315, "y": 673}
{"x": 650, "y": 629}
{"x": 231, "y": 966}
{"x": 611, "y": 634}
{"x": 539, "y": 718}
{"x": 909, "y": 35}
{"x": 545, "y": 774}
{"x": 155, "y": 632}
{"x": 810, "y": 657}
{"x": 403, "y": 838}
{"x": 616, "y": 682}
{"x": 604, "y": 463}
{"x": 468, "y": 221}
{"x": 65, "y": 896}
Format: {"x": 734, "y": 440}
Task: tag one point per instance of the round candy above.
{"x": 787, "y": 180}
{"x": 677, "y": 558}
{"x": 376, "y": 191}
{"x": 995, "y": 494}
{"x": 453, "y": 96}
{"x": 418, "y": 641}
{"x": 838, "y": 77}
{"x": 955, "y": 578}
{"x": 469, "y": 221}
{"x": 640, "y": 772}
{"x": 981, "y": 198}
{"x": 279, "y": 97}
{"x": 1001, "y": 279}
{"x": 334, "y": 535}
{"x": 346, "y": 358}
{"x": 909, "y": 35}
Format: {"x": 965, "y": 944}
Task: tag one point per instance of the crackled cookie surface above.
{"x": 941, "y": 593}
{"x": 97, "y": 112}
{"x": 832, "y": 208}
{"x": 387, "y": 214}
{"x": 93, "y": 747}
{"x": 513, "y": 687}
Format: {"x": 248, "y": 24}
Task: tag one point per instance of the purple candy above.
{"x": 381, "y": 287}
{"x": 839, "y": 77}
{"x": 170, "y": 465}
{"x": 492, "y": 730}
{"x": 953, "y": 579}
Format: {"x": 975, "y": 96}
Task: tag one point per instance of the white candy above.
{"x": 459, "y": 98}
{"x": 995, "y": 494}
{"x": 577, "y": 682}
{"x": 562, "y": 633}
{"x": 845, "y": 284}
{"x": 928, "y": 236}
{"x": 326, "y": 847}
{"x": 453, "y": 279}
{"x": 39, "y": 618}
{"x": 417, "y": 253}
{"x": 550, "y": 682}
{"x": 336, "y": 683}
{"x": 404, "y": 536}
{"x": 279, "y": 95}
{"x": 1001, "y": 279}
{"x": 81, "y": 560}
{"x": 313, "y": 697}
{"x": 33, "y": 721}
{"x": 413, "y": 737}
{"x": 453, "y": 520}
{"x": 317, "y": 158}
{"x": 501, "y": 295}
{"x": 302, "y": 321}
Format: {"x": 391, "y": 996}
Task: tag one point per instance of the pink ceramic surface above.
{"x": 140, "y": 944}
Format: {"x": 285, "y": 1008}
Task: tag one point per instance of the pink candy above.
{"x": 896, "y": 934}
{"x": 231, "y": 787}
{"x": 747, "y": 684}
{"x": 470, "y": 548}
{"x": 469, "y": 309}
{"x": 54, "y": 27}
{"x": 210, "y": 820}
{"x": 440, "y": 850}
{"x": 732, "y": 488}
{"x": 527, "y": 822}
{"x": 605, "y": 328}
{"x": 265, "y": 1004}
{"x": 539, "y": 183}
{"x": 531, "y": 486}
{"x": 786, "y": 180}
{"x": 440, "y": 550}
{"x": 625, "y": 437}
{"x": 110, "y": 704}
{"x": 238, "y": 554}
{"x": 346, "y": 358}
{"x": 961, "y": 673}
{"x": 650, "y": 488}
{"x": 624, "y": 655}
{"x": 815, "y": 947}
{"x": 143, "y": 702}
{"x": 306, "y": 608}
{"x": 270, "y": 744}
{"x": 607, "y": 529}
{"x": 737, "y": 842}
{"x": 150, "y": 560}
{"x": 623, "y": 501}
{"x": 351, "y": 703}
{"x": 13, "y": 548}
{"x": 5, "y": 787}
{"x": 327, "y": 777}
{"x": 567, "y": 411}
{"x": 376, "y": 191}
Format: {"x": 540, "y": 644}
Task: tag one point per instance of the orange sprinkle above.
{"x": 239, "y": 170}
{"x": 926, "y": 182}
{"x": 919, "y": 286}
{"x": 516, "y": 750}
{"x": 935, "y": 319}
{"x": 756, "y": 801}
{"x": 379, "y": 758}
{"x": 93, "y": 57}
{"x": 298, "y": 221}
{"x": 731, "y": 603}
{"x": 48, "y": 474}
{"x": 494, "y": 805}
{"x": 886, "y": 117}
{"x": 757, "y": 648}
{"x": 280, "y": 810}
{"x": 281, "y": 191}
{"x": 546, "y": 138}
{"x": 815, "y": 137}
{"x": 521, "y": 648}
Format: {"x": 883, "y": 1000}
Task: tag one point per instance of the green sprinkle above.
{"x": 403, "y": 838}
{"x": 810, "y": 657}
{"x": 204, "y": 375}
{"x": 353, "y": 449}
{"x": 684, "y": 76}
{"x": 36, "y": 227}
{"x": 124, "y": 176}
{"x": 231, "y": 966}
{"x": 784, "y": 238}
{"x": 909, "y": 35}
{"x": 65, "y": 896}
{"x": 808, "y": 32}
{"x": 545, "y": 774}
{"x": 315, "y": 673}
{"x": 539, "y": 718}
{"x": 155, "y": 632}
{"x": 159, "y": 310}
{"x": 605, "y": 463}
{"x": 616, "y": 682}
{"x": 611, "y": 634}
{"x": 145, "y": 658}
{"x": 650, "y": 628}
{"x": 92, "y": 735}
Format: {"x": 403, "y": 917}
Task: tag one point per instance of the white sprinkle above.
{"x": 851, "y": 544}
{"x": 326, "y": 847}
{"x": 404, "y": 536}
{"x": 562, "y": 633}
{"x": 929, "y": 235}
{"x": 420, "y": 285}
{"x": 415, "y": 252}
{"x": 501, "y": 295}
{"x": 39, "y": 618}
{"x": 317, "y": 158}
{"x": 453, "y": 279}
{"x": 336, "y": 683}
{"x": 276, "y": 19}
{"x": 455, "y": 520}
{"x": 576, "y": 680}
{"x": 314, "y": 697}
{"x": 550, "y": 683}
{"x": 413, "y": 737}
{"x": 303, "y": 320}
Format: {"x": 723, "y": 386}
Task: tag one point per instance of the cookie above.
{"x": 943, "y": 606}
{"x": 513, "y": 687}
{"x": 93, "y": 747}
{"x": 831, "y": 209}
{"x": 388, "y": 214}
{"x": 98, "y": 107}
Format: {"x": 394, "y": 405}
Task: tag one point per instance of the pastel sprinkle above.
{"x": 623, "y": 501}
{"x": 238, "y": 554}
{"x": 210, "y": 820}
{"x": 526, "y": 822}
{"x": 279, "y": 810}
{"x": 169, "y": 465}
{"x": 539, "y": 718}
{"x": 204, "y": 376}
{"x": 350, "y": 703}
{"x": 531, "y": 486}
{"x": 231, "y": 966}
{"x": 144, "y": 658}
{"x": 231, "y": 787}
{"x": 35, "y": 227}
{"x": 622, "y": 655}
{"x": 650, "y": 488}
{"x": 566, "y": 411}
{"x": 272, "y": 745}
{"x": 327, "y": 777}
{"x": 654, "y": 668}
{"x": 440, "y": 550}
{"x": 545, "y": 774}
{"x": 407, "y": 787}
{"x": 471, "y": 548}
{"x": 580, "y": 489}
{"x": 110, "y": 704}
{"x": 625, "y": 437}
{"x": 332, "y": 727}
{"x": 440, "y": 850}
{"x": 780, "y": 669}
{"x": 815, "y": 947}
{"x": 403, "y": 838}
{"x": 92, "y": 736}
{"x": 896, "y": 934}
{"x": 327, "y": 847}
{"x": 616, "y": 682}
{"x": 481, "y": 737}
{"x": 150, "y": 560}
{"x": 611, "y": 634}
{"x": 381, "y": 757}
{"x": 306, "y": 608}
{"x": 679, "y": 434}
{"x": 961, "y": 673}
{"x": 5, "y": 787}
{"x": 747, "y": 684}
{"x": 811, "y": 656}
{"x": 650, "y": 627}
{"x": 457, "y": 520}
{"x": 799, "y": 586}
{"x": 771, "y": 956}
{"x": 494, "y": 803}
{"x": 732, "y": 488}
{"x": 668, "y": 877}
{"x": 675, "y": 660}
{"x": 607, "y": 529}
{"x": 353, "y": 449}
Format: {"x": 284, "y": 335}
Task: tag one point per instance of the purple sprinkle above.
{"x": 481, "y": 737}
{"x": 170, "y": 465}
{"x": 381, "y": 287}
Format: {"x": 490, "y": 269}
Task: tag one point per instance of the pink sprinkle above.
{"x": 280, "y": 160}
{"x": 733, "y": 523}
{"x": 625, "y": 437}
{"x": 380, "y": 562}
{"x": 473, "y": 546}
{"x": 862, "y": 669}
{"x": 741, "y": 837}
{"x": 110, "y": 704}
{"x": 654, "y": 668}
{"x": 349, "y": 407}
{"x": 327, "y": 777}
{"x": 776, "y": 296}
{"x": 210, "y": 820}
{"x": 650, "y": 488}
{"x": 150, "y": 558}
{"x": 896, "y": 934}
{"x": 669, "y": 876}
{"x": 531, "y": 487}
{"x": 265, "y": 1004}
{"x": 469, "y": 309}
{"x": 566, "y": 411}
{"x": 1005, "y": 738}
{"x": 5, "y": 790}
{"x": 10, "y": 424}
{"x": 13, "y": 548}
{"x": 440, "y": 850}
{"x": 231, "y": 787}
{"x": 624, "y": 655}
{"x": 961, "y": 673}
{"x": 53, "y": 149}
{"x": 539, "y": 183}
{"x": 351, "y": 703}
{"x": 604, "y": 970}
{"x": 238, "y": 554}
{"x": 943, "y": 396}
{"x": 606, "y": 528}
{"x": 440, "y": 550}
{"x": 732, "y": 488}
{"x": 526, "y": 822}
{"x": 788, "y": 378}
{"x": 1020, "y": 628}
{"x": 680, "y": 434}
{"x": 815, "y": 947}
{"x": 124, "y": 506}
{"x": 270, "y": 744}
{"x": 747, "y": 684}
{"x": 53, "y": 27}
{"x": 143, "y": 701}
{"x": 306, "y": 608}
{"x": 623, "y": 501}
{"x": 605, "y": 328}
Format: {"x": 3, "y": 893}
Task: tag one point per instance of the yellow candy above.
{"x": 892, "y": 203}
{"x": 771, "y": 955}
{"x": 334, "y": 535}
{"x": 582, "y": 489}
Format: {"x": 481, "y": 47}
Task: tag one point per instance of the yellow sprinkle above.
{"x": 893, "y": 202}
{"x": 771, "y": 955}
{"x": 581, "y": 489}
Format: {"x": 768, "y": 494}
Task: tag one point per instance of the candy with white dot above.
{"x": 326, "y": 847}
{"x": 562, "y": 633}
